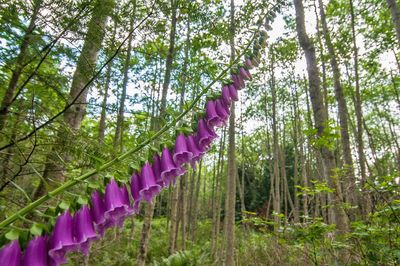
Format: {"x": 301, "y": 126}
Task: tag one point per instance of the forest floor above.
{"x": 311, "y": 244}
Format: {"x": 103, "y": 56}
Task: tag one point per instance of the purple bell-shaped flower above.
{"x": 97, "y": 211}
{"x": 149, "y": 187}
{"x": 233, "y": 93}
{"x": 226, "y": 107}
{"x": 10, "y": 254}
{"x": 116, "y": 208}
{"x": 182, "y": 154}
{"x": 211, "y": 115}
{"x": 169, "y": 170}
{"x": 244, "y": 73}
{"x": 126, "y": 200}
{"x": 226, "y": 95}
{"x": 236, "y": 82}
{"x": 36, "y": 252}
{"x": 196, "y": 151}
{"x": 135, "y": 190}
{"x": 205, "y": 135}
{"x": 248, "y": 63}
{"x": 157, "y": 170}
{"x": 62, "y": 239}
{"x": 83, "y": 229}
{"x": 221, "y": 110}
{"x": 248, "y": 73}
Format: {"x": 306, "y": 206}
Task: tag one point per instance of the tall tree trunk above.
{"x": 183, "y": 210}
{"x": 54, "y": 170}
{"x": 218, "y": 195}
{"x": 231, "y": 177}
{"x": 174, "y": 219}
{"x": 195, "y": 203}
{"x": 183, "y": 182}
{"x": 395, "y": 89}
{"x": 296, "y": 143}
{"x": 144, "y": 241}
{"x": 395, "y": 12}
{"x": 321, "y": 199}
{"x": 120, "y": 117}
{"x": 350, "y": 191}
{"x": 302, "y": 157}
{"x": 190, "y": 204}
{"x": 268, "y": 151}
{"x": 178, "y": 195}
{"x": 366, "y": 207}
{"x": 288, "y": 196}
{"x": 170, "y": 57}
{"x": 323, "y": 65}
{"x": 19, "y": 65}
{"x": 241, "y": 181}
{"x": 276, "y": 202}
{"x": 103, "y": 115}
{"x": 320, "y": 118}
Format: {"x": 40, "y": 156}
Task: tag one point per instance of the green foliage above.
{"x": 316, "y": 231}
{"x": 379, "y": 244}
{"x": 317, "y": 188}
{"x": 180, "y": 258}
{"x": 327, "y": 138}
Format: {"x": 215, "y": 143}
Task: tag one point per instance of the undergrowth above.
{"x": 314, "y": 243}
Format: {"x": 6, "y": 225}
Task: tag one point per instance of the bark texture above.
{"x": 350, "y": 190}
{"x": 395, "y": 13}
{"x": 170, "y": 57}
{"x": 54, "y": 170}
{"x": 366, "y": 207}
{"x": 320, "y": 118}
{"x": 231, "y": 177}
{"x": 103, "y": 115}
{"x": 121, "y": 108}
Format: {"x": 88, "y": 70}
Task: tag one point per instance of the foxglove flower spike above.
{"x": 182, "y": 154}
{"x": 10, "y": 254}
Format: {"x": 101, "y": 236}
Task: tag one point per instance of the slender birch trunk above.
{"x": 103, "y": 115}
{"x": 232, "y": 171}
{"x": 145, "y": 237}
{"x": 275, "y": 147}
{"x": 350, "y": 182}
{"x": 119, "y": 131}
{"x": 395, "y": 13}
{"x": 54, "y": 170}
{"x": 320, "y": 118}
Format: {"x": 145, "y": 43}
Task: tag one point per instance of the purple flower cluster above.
{"x": 76, "y": 232}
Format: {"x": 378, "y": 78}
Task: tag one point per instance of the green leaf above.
{"x": 93, "y": 185}
{"x": 82, "y": 200}
{"x": 64, "y": 205}
{"x": 12, "y": 234}
{"x": 133, "y": 167}
{"x": 153, "y": 149}
{"x": 186, "y": 130}
{"x": 37, "y": 229}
